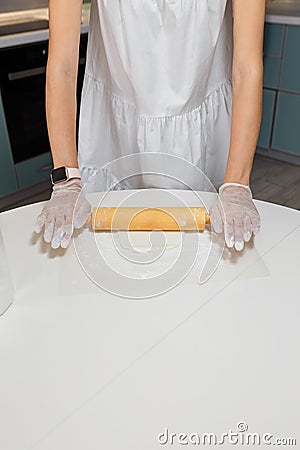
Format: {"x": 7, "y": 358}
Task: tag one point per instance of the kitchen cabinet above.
{"x": 8, "y": 182}
{"x": 25, "y": 149}
{"x": 286, "y": 135}
{"x": 280, "y": 132}
{"x": 273, "y": 39}
{"x": 271, "y": 72}
{"x": 273, "y": 42}
{"x": 267, "y": 118}
{"x": 290, "y": 75}
{"x": 34, "y": 170}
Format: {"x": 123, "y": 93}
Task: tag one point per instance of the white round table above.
{"x": 90, "y": 370}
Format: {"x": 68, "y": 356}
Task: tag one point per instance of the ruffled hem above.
{"x": 110, "y": 128}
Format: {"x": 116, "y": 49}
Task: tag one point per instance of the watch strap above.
{"x": 73, "y": 172}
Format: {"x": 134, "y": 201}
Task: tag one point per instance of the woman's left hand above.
{"x": 235, "y": 213}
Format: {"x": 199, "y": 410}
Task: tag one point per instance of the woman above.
{"x": 177, "y": 76}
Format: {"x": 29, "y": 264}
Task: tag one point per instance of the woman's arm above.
{"x": 61, "y": 79}
{"x": 235, "y": 212}
{"x": 247, "y": 80}
{"x": 67, "y": 208}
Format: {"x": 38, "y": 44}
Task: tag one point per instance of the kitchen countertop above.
{"x": 39, "y": 35}
{"x": 277, "y": 11}
{"x": 84, "y": 369}
{"x": 283, "y": 11}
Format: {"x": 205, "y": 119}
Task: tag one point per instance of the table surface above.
{"x": 92, "y": 370}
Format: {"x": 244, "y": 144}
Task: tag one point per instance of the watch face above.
{"x": 58, "y": 175}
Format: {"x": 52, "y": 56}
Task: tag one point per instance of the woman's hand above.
{"x": 67, "y": 209}
{"x": 235, "y": 213}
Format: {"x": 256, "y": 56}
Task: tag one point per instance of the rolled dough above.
{"x": 146, "y": 241}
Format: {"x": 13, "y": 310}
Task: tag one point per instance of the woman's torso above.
{"x": 161, "y": 56}
{"x": 158, "y": 79}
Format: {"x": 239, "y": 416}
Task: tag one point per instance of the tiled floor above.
{"x": 271, "y": 180}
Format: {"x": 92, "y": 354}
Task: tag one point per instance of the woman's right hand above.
{"x": 65, "y": 210}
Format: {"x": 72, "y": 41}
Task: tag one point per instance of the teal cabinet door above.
{"x": 286, "y": 135}
{"x": 271, "y": 72}
{"x": 290, "y": 74}
{"x": 34, "y": 170}
{"x": 267, "y": 118}
{"x": 8, "y": 182}
{"x": 273, "y": 39}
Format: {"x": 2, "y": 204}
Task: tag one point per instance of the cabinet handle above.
{"x": 45, "y": 168}
{"x": 26, "y": 73}
{"x": 32, "y": 72}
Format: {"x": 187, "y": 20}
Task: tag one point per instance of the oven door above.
{"x": 23, "y": 77}
{"x": 22, "y": 83}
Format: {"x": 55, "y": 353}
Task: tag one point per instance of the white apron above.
{"x": 157, "y": 79}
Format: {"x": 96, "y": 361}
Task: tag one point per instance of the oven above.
{"x": 22, "y": 84}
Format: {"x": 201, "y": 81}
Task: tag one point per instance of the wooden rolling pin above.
{"x": 148, "y": 219}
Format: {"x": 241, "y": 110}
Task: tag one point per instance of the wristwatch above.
{"x": 61, "y": 174}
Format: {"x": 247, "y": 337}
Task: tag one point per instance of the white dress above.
{"x": 158, "y": 79}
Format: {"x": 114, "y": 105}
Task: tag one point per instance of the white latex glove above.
{"x": 57, "y": 214}
{"x": 235, "y": 213}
